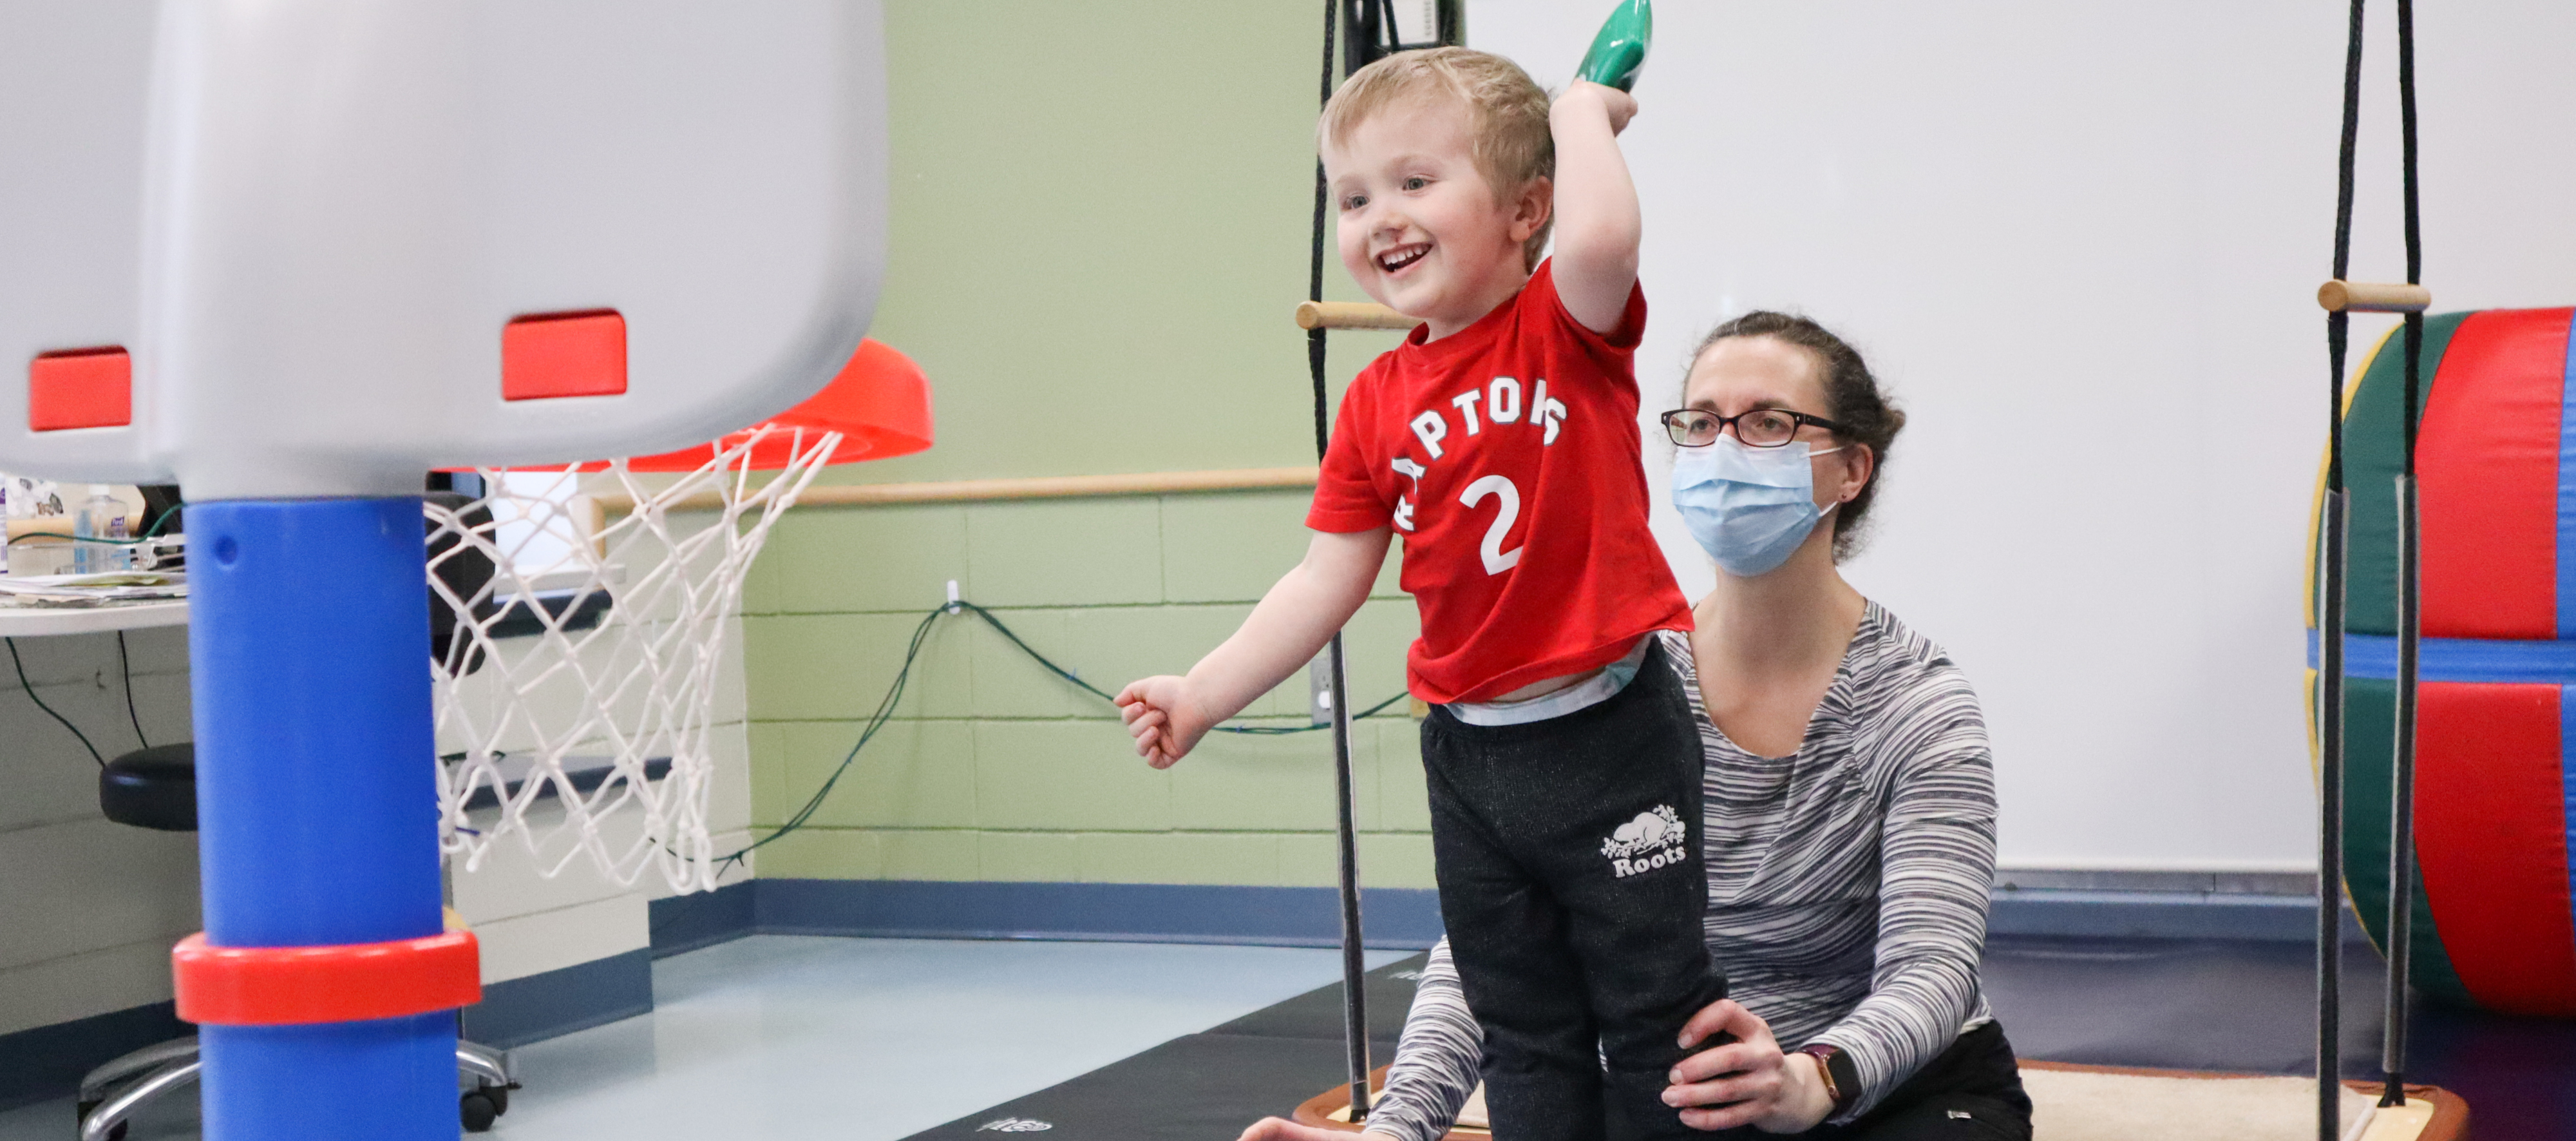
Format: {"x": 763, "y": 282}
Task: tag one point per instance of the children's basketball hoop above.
{"x": 297, "y": 253}
{"x": 580, "y": 617}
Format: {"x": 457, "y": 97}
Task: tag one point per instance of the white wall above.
{"x": 88, "y": 909}
{"x": 2081, "y": 244}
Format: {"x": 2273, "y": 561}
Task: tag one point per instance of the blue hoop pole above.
{"x": 317, "y": 800}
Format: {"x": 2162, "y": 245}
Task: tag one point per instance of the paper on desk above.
{"x": 92, "y": 589}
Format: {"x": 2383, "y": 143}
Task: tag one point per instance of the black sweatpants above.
{"x": 1969, "y": 1092}
{"x": 1568, "y": 855}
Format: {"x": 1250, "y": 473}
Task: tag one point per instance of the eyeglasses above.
{"x": 1757, "y": 428}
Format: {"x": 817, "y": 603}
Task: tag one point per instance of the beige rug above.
{"x": 2081, "y": 1106}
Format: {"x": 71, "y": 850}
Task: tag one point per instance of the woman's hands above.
{"x": 1770, "y": 1092}
{"x": 1282, "y": 1129}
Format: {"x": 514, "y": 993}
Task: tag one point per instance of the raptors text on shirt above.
{"x": 1508, "y": 459}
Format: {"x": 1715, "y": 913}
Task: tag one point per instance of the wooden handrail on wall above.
{"x": 992, "y": 490}
{"x": 1351, "y": 315}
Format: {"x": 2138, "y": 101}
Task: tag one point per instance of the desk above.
{"x": 36, "y": 621}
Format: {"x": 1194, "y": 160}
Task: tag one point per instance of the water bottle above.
{"x": 101, "y": 516}
{"x": 119, "y": 526}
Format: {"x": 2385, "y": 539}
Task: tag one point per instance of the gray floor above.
{"x": 860, "y": 1039}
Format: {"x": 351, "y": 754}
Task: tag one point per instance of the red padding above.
{"x": 80, "y": 388}
{"x": 879, "y": 403}
{"x": 2491, "y": 837}
{"x": 279, "y": 986}
{"x": 2488, "y": 470}
{"x": 551, "y": 355}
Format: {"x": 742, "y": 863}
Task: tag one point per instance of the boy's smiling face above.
{"x": 1421, "y": 228}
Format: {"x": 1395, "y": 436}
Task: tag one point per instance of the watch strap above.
{"x": 1842, "y": 1077}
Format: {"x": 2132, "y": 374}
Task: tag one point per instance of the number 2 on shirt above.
{"x": 1497, "y": 560}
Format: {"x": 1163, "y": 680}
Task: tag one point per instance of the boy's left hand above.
{"x": 1618, "y": 105}
{"x": 1163, "y": 718}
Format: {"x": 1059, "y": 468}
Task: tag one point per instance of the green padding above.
{"x": 2370, "y": 744}
{"x": 2374, "y": 453}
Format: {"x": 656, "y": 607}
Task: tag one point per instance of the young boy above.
{"x": 1501, "y": 441}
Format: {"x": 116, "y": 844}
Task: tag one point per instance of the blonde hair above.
{"x": 1506, "y": 115}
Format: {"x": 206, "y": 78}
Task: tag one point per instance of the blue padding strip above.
{"x": 2567, "y": 492}
{"x": 2567, "y": 777}
{"x": 2458, "y": 659}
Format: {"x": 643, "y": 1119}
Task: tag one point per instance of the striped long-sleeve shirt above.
{"x": 1847, "y": 882}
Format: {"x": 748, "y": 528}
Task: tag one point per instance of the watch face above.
{"x": 1846, "y": 1076}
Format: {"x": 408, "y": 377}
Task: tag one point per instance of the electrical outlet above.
{"x": 1319, "y": 689}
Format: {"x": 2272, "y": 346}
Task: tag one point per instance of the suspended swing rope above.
{"x": 1346, "y": 839}
{"x": 2341, "y": 298}
{"x": 1373, "y": 34}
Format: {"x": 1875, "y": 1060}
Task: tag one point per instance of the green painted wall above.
{"x": 994, "y": 769}
{"x": 1099, "y": 226}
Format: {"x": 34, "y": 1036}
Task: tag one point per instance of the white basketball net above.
{"x": 573, "y": 737}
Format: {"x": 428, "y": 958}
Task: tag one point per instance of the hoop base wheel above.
{"x": 479, "y": 1108}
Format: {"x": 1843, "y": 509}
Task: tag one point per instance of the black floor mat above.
{"x": 2190, "y": 1005}
{"x": 2154, "y": 1003}
{"x": 1207, "y": 1087}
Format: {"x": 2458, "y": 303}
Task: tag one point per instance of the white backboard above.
{"x": 308, "y": 222}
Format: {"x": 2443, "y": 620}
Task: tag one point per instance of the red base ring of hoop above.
{"x": 284, "y": 986}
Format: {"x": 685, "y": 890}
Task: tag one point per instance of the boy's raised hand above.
{"x": 1163, "y": 719}
{"x": 1619, "y": 105}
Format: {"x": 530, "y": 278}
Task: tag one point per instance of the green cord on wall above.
{"x": 894, "y": 694}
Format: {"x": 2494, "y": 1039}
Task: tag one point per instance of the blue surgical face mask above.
{"x": 1749, "y": 508}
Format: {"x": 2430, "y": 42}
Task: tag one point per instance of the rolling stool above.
{"x": 157, "y": 788}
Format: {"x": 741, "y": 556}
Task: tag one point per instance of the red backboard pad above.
{"x": 551, "y": 355}
{"x": 80, "y": 388}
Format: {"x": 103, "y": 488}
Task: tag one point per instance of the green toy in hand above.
{"x": 1620, "y": 50}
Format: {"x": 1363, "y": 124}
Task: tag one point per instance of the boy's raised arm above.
{"x": 1167, "y": 715}
{"x": 1597, "y": 226}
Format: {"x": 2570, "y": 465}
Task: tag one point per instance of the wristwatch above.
{"x": 1842, "y": 1078}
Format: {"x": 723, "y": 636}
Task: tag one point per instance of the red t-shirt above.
{"x": 1507, "y": 457}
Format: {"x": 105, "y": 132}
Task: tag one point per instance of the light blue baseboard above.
{"x": 578, "y": 997}
{"x": 2159, "y": 915}
{"x": 47, "y": 1062}
{"x": 1392, "y": 918}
